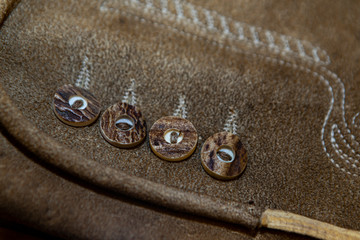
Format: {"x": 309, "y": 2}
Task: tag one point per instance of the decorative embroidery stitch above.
{"x": 287, "y": 47}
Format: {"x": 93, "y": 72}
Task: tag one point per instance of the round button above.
{"x": 223, "y": 156}
{"x": 76, "y": 106}
{"x": 173, "y": 138}
{"x": 123, "y": 125}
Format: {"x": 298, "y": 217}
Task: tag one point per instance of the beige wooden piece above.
{"x": 291, "y": 222}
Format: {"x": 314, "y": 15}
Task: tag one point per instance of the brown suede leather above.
{"x": 298, "y": 115}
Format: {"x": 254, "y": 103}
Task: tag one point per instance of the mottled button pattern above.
{"x": 223, "y": 156}
{"x": 123, "y": 125}
{"x": 173, "y": 138}
{"x": 76, "y": 106}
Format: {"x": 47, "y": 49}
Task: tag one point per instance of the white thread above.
{"x": 270, "y": 39}
{"x": 83, "y": 79}
{"x": 338, "y": 80}
{"x": 103, "y": 8}
{"x": 300, "y": 47}
{"x": 322, "y": 78}
{"x": 345, "y": 142}
{"x": 179, "y": 10}
{"x": 149, "y": 4}
{"x": 181, "y": 109}
{"x": 341, "y": 153}
{"x": 254, "y": 35}
{"x": 252, "y": 40}
{"x": 130, "y": 94}
{"x": 240, "y": 29}
{"x": 224, "y": 25}
{"x": 164, "y": 6}
{"x": 286, "y": 47}
{"x": 315, "y": 54}
{"x": 354, "y": 119}
{"x": 285, "y": 41}
{"x": 230, "y": 125}
{"x": 209, "y": 19}
{"x": 194, "y": 14}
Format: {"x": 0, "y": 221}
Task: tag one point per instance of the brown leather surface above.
{"x": 289, "y": 104}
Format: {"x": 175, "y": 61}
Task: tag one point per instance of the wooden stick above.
{"x": 291, "y": 222}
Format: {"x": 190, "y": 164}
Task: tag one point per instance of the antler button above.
{"x": 173, "y": 138}
{"x": 76, "y": 106}
{"x": 123, "y": 125}
{"x": 223, "y": 156}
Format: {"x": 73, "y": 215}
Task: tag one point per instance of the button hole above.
{"x": 225, "y": 154}
{"x": 173, "y": 136}
{"x": 78, "y": 102}
{"x": 124, "y": 123}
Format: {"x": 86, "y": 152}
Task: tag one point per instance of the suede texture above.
{"x": 298, "y": 115}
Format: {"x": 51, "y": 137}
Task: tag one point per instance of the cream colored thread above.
{"x": 345, "y": 142}
{"x": 285, "y": 41}
{"x": 209, "y": 19}
{"x": 149, "y": 4}
{"x": 348, "y": 159}
{"x": 83, "y": 79}
{"x": 179, "y": 9}
{"x": 354, "y": 119}
{"x": 181, "y": 109}
{"x": 164, "y": 6}
{"x": 224, "y": 25}
{"x": 327, "y": 83}
{"x": 230, "y": 125}
{"x": 300, "y": 48}
{"x": 281, "y": 62}
{"x": 240, "y": 31}
{"x": 332, "y": 75}
{"x": 315, "y": 54}
{"x": 130, "y": 94}
{"x": 194, "y": 14}
{"x": 255, "y": 35}
{"x": 252, "y": 40}
{"x": 270, "y": 40}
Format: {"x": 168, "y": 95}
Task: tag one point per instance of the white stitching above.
{"x": 194, "y": 14}
{"x": 181, "y": 108}
{"x": 149, "y": 4}
{"x": 179, "y": 10}
{"x": 224, "y": 25}
{"x": 230, "y": 125}
{"x": 338, "y": 80}
{"x": 340, "y": 152}
{"x": 345, "y": 142}
{"x": 255, "y": 35}
{"x": 164, "y": 6}
{"x": 354, "y": 119}
{"x": 270, "y": 40}
{"x": 239, "y": 35}
{"x": 315, "y": 54}
{"x": 83, "y": 79}
{"x": 286, "y": 48}
{"x": 209, "y": 19}
{"x": 300, "y": 47}
{"x": 240, "y": 29}
{"x": 285, "y": 41}
{"x": 130, "y": 92}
